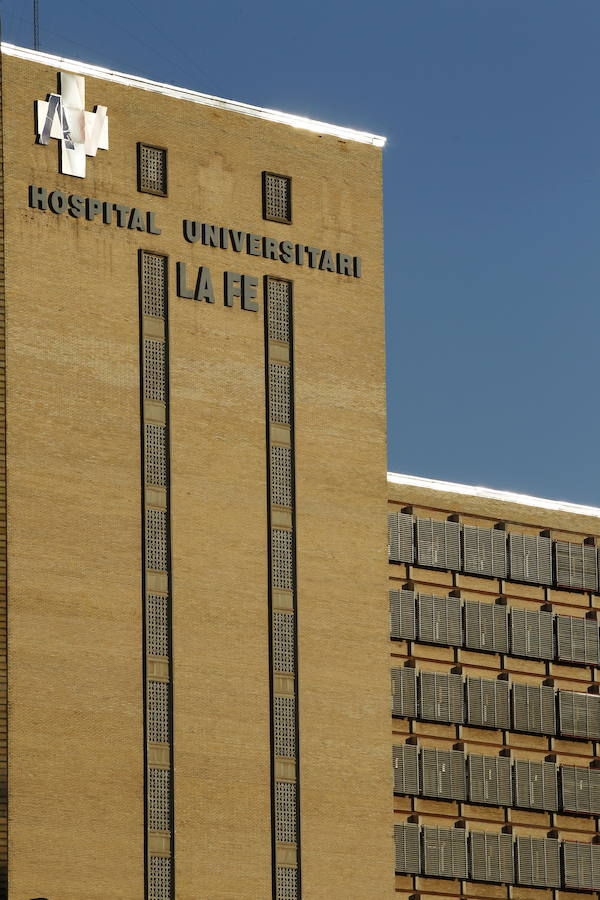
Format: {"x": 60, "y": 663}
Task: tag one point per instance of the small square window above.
{"x": 277, "y": 198}
{"x": 152, "y": 170}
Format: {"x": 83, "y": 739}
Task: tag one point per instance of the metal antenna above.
{"x": 36, "y": 24}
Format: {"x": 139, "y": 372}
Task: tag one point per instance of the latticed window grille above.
{"x": 401, "y": 537}
{"x": 580, "y": 790}
{"x": 445, "y": 852}
{"x": 440, "y": 619}
{"x": 581, "y": 865}
{"x": 152, "y": 170}
{"x": 484, "y": 551}
{"x": 403, "y": 624}
{"x": 154, "y": 370}
{"x": 158, "y": 712}
{"x": 486, "y": 626}
{"x": 159, "y": 878}
{"x": 578, "y": 640}
{"x": 281, "y": 558}
{"x": 488, "y": 703}
{"x": 530, "y": 558}
{"x": 531, "y": 633}
{"x": 277, "y": 197}
{"x": 406, "y": 769}
{"x": 404, "y": 692}
{"x": 441, "y": 697}
{"x": 576, "y": 565}
{"x": 407, "y": 840}
{"x": 443, "y": 774}
{"x": 438, "y": 544}
{"x": 159, "y": 799}
{"x": 284, "y": 715}
{"x": 280, "y": 393}
{"x": 157, "y": 627}
{"x": 285, "y": 811}
{"x": 579, "y": 715}
{"x": 155, "y": 456}
{"x": 287, "y": 883}
{"x": 156, "y": 540}
{"x": 283, "y": 642}
{"x": 279, "y": 295}
{"x": 281, "y": 476}
{"x": 534, "y": 708}
{"x": 490, "y": 779}
{"x": 538, "y": 862}
{"x": 154, "y": 284}
{"x": 536, "y": 785}
{"x": 492, "y": 857}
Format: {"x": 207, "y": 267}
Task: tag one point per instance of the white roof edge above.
{"x": 169, "y": 90}
{"x": 491, "y": 494}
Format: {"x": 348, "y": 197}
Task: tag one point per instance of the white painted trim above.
{"x": 144, "y": 84}
{"x": 451, "y": 487}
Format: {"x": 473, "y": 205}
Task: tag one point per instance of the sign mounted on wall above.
{"x": 63, "y": 116}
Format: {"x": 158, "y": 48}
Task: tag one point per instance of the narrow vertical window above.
{"x": 152, "y": 170}
{"x": 277, "y": 198}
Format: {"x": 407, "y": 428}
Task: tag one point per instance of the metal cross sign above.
{"x": 63, "y": 116}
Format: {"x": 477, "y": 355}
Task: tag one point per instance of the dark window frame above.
{"x": 287, "y": 178}
{"x": 141, "y": 190}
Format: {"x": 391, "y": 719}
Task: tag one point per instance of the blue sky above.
{"x": 492, "y": 175}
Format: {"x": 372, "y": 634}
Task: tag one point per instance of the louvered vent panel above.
{"x": 533, "y": 709}
{"x": 578, "y": 640}
{"x": 492, "y": 857}
{"x": 278, "y": 302}
{"x": 280, "y": 406}
{"x": 159, "y": 799}
{"x": 159, "y": 878}
{"x": 153, "y": 170}
{"x": 490, "y": 779}
{"x": 441, "y": 697}
{"x": 157, "y": 629}
{"x": 287, "y": 883}
{"x": 445, "y": 852}
{"x": 536, "y": 785}
{"x": 576, "y": 565}
{"x": 538, "y": 862}
{"x": 154, "y": 370}
{"x": 443, "y": 774}
{"x": 488, "y": 703}
{"x": 284, "y": 726}
{"x": 404, "y": 692}
{"x": 438, "y": 544}
{"x": 155, "y": 455}
{"x": 486, "y": 626}
{"x": 530, "y": 558}
{"x": 277, "y": 197}
{"x": 283, "y": 642}
{"x": 156, "y": 540}
{"x": 401, "y": 537}
{"x": 408, "y": 849}
{"x": 281, "y": 476}
{"x": 440, "y": 619}
{"x": 579, "y": 715}
{"x": 154, "y": 284}
{"x": 406, "y": 769}
{"x": 531, "y": 633}
{"x": 403, "y": 615}
{"x": 484, "y": 551}
{"x": 285, "y": 811}
{"x": 581, "y": 865}
{"x": 281, "y": 558}
{"x": 158, "y": 712}
{"x": 580, "y": 789}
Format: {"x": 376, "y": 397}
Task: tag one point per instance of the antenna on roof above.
{"x": 36, "y": 24}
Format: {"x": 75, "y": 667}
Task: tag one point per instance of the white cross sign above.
{"x": 63, "y": 116}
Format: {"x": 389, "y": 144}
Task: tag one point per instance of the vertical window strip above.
{"x": 282, "y": 588}
{"x": 156, "y": 598}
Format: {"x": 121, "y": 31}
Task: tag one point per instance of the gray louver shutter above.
{"x": 580, "y": 789}
{"x": 486, "y": 626}
{"x": 408, "y": 849}
{"x": 438, "y": 544}
{"x": 530, "y": 558}
{"x": 401, "y": 537}
{"x": 538, "y": 861}
{"x": 406, "y": 769}
{"x": 578, "y": 640}
{"x": 403, "y": 624}
{"x": 492, "y": 857}
{"x": 404, "y": 692}
{"x": 440, "y": 619}
{"x": 490, "y": 779}
{"x": 488, "y": 703}
{"x": 441, "y": 697}
{"x": 534, "y": 708}
{"x": 484, "y": 551}
{"x": 445, "y": 852}
{"x": 579, "y": 715}
{"x": 536, "y": 785}
{"x": 443, "y": 774}
{"x": 581, "y": 865}
{"x": 576, "y": 565}
{"x": 531, "y": 633}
